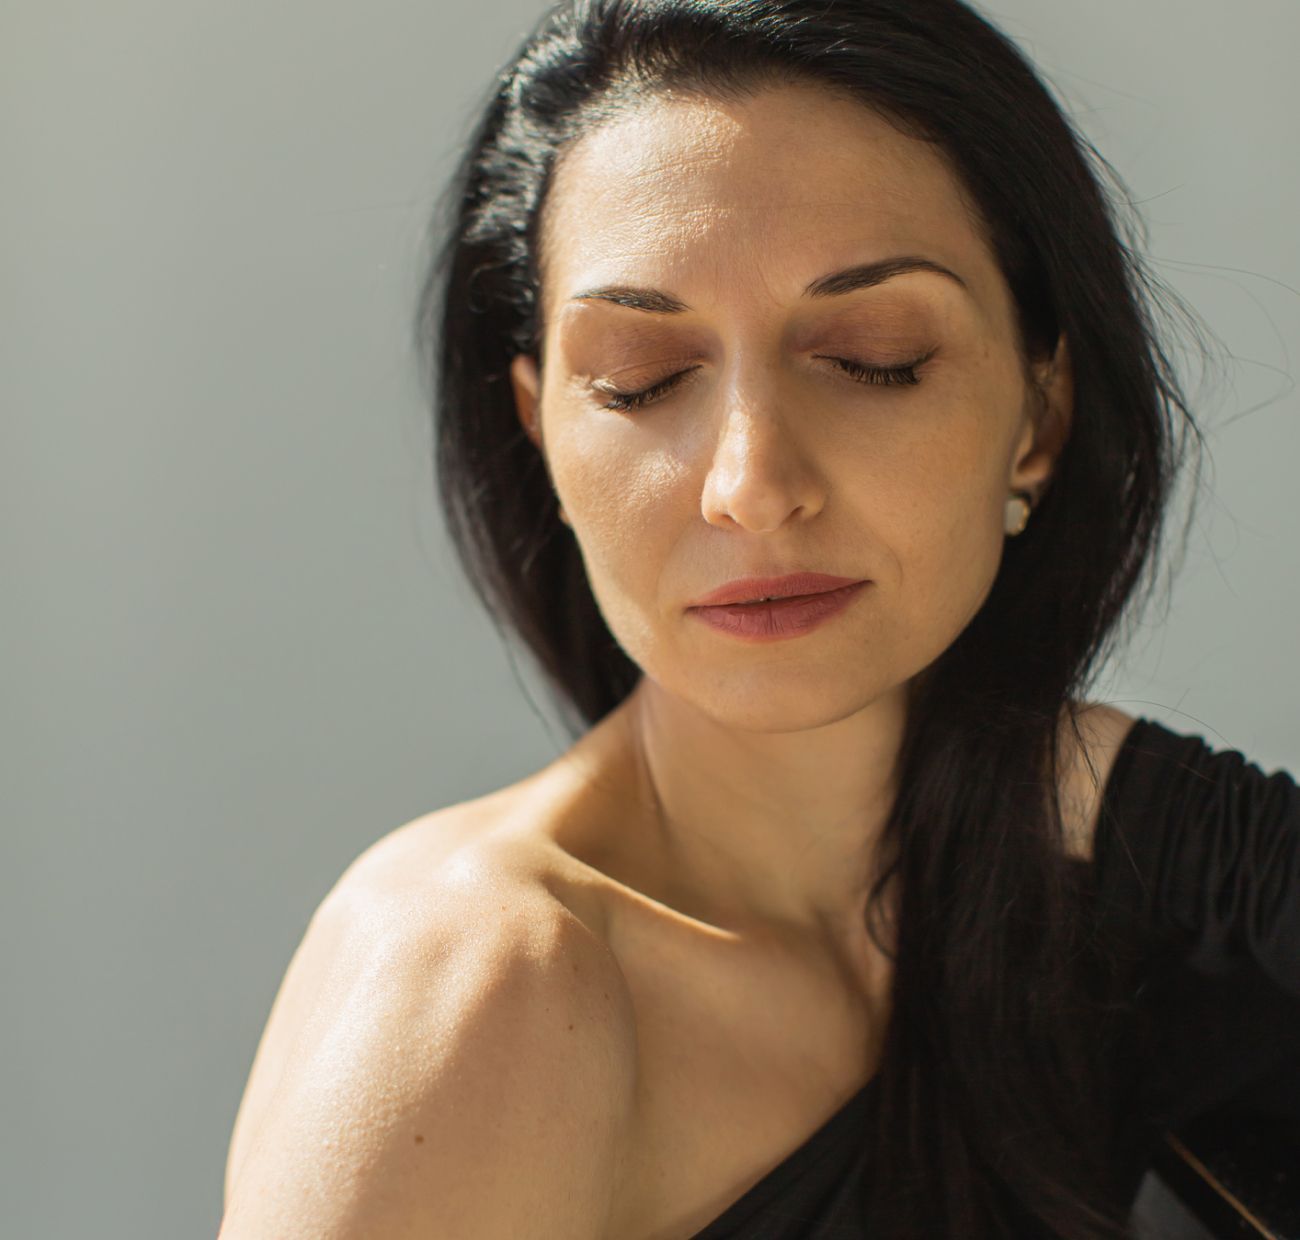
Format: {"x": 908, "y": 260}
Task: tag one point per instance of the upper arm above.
{"x": 457, "y": 1071}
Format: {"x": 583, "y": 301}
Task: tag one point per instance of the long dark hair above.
{"x": 996, "y": 1096}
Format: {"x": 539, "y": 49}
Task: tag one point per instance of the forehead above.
{"x": 750, "y": 198}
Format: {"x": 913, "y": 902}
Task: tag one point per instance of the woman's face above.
{"x": 764, "y": 454}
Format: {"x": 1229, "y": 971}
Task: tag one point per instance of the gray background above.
{"x": 236, "y": 650}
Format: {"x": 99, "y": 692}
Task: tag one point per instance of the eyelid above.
{"x": 624, "y": 401}
{"x": 609, "y": 381}
{"x": 896, "y": 368}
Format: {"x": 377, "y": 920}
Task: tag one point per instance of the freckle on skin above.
{"x": 419, "y": 1140}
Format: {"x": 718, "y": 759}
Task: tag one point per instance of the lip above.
{"x": 747, "y": 589}
{"x": 780, "y": 619}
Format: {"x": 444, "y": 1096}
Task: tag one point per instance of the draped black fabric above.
{"x": 1196, "y": 872}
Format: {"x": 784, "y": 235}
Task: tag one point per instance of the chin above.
{"x": 792, "y": 697}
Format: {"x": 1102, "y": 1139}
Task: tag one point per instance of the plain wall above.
{"x": 236, "y": 647}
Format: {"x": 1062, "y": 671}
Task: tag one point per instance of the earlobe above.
{"x": 526, "y": 384}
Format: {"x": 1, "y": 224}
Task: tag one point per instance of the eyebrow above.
{"x": 850, "y": 280}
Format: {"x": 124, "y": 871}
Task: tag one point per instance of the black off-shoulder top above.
{"x": 1196, "y": 861}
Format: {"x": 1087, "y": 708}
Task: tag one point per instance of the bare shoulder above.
{"x": 1086, "y": 761}
{"x": 445, "y": 1020}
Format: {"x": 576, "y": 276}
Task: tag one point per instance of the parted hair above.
{"x": 998, "y": 1084}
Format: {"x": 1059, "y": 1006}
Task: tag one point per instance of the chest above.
{"x": 743, "y": 1053}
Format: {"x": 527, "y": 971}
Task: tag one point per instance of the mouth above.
{"x": 778, "y": 618}
{"x": 771, "y": 598}
{"x": 757, "y": 591}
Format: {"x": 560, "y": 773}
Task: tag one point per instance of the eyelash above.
{"x": 879, "y": 376}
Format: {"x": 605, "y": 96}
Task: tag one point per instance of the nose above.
{"x": 759, "y": 476}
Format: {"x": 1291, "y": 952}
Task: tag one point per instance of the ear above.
{"x": 1046, "y": 424}
{"x": 525, "y": 379}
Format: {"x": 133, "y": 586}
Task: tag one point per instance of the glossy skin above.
{"x": 695, "y": 1058}
{"x": 773, "y": 763}
{"x": 447, "y": 1056}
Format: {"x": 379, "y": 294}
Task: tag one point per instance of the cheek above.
{"x": 956, "y": 551}
{"x": 619, "y": 497}
{"x": 935, "y": 503}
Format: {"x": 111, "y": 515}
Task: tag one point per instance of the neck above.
{"x": 761, "y": 831}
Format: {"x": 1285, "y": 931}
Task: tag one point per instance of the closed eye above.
{"x": 879, "y": 375}
{"x": 862, "y": 372}
{"x": 635, "y": 400}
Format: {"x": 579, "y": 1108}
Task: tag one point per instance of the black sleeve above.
{"x": 1200, "y": 850}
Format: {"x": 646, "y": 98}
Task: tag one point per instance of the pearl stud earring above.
{"x": 1017, "y": 512}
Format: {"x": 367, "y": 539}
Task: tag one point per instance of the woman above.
{"x": 845, "y": 914}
